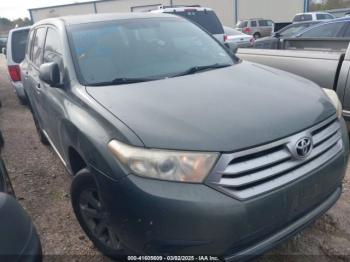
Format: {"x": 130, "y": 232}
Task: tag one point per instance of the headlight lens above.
{"x": 164, "y": 164}
{"x": 335, "y": 101}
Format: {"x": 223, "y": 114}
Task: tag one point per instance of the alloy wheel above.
{"x": 97, "y": 219}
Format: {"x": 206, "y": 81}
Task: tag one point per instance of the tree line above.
{"x": 328, "y": 4}
{"x": 6, "y": 25}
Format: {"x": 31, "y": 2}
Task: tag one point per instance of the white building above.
{"x": 229, "y": 11}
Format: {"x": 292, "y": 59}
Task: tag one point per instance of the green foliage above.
{"x": 6, "y": 25}
{"x": 328, "y": 4}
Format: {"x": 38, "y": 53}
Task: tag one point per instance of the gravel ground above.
{"x": 42, "y": 186}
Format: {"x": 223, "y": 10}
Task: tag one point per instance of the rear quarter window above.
{"x": 242, "y": 24}
{"x": 206, "y": 19}
{"x": 18, "y": 45}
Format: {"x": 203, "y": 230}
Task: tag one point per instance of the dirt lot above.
{"x": 42, "y": 186}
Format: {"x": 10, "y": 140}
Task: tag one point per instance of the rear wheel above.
{"x": 93, "y": 216}
{"x": 257, "y": 35}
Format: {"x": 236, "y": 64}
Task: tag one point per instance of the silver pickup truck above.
{"x": 329, "y": 69}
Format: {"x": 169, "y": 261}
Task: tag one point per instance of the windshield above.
{"x": 231, "y": 31}
{"x": 151, "y": 48}
{"x": 206, "y": 19}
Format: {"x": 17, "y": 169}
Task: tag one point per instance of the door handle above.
{"x": 38, "y": 86}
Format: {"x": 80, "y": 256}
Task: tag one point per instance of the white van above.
{"x": 312, "y": 16}
{"x": 15, "y": 51}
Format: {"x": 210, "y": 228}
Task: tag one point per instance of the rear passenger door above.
{"x": 264, "y": 28}
{"x": 33, "y": 82}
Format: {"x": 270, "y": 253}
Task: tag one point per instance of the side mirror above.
{"x": 276, "y": 34}
{"x": 50, "y": 74}
{"x": 3, "y": 50}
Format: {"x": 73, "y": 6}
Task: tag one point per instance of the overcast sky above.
{"x": 13, "y": 9}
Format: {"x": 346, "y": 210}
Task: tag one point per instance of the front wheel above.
{"x": 93, "y": 215}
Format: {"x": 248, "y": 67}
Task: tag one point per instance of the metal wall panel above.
{"x": 276, "y": 10}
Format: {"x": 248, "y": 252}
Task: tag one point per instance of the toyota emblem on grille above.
{"x": 303, "y": 147}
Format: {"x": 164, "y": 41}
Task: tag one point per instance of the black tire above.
{"x": 257, "y": 35}
{"x": 93, "y": 216}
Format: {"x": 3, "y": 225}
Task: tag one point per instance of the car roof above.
{"x": 92, "y": 18}
{"x": 181, "y": 9}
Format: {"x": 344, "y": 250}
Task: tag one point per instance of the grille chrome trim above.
{"x": 254, "y": 171}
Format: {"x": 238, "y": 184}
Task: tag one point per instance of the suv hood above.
{"x": 225, "y": 109}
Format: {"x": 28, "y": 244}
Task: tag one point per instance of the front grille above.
{"x": 258, "y": 170}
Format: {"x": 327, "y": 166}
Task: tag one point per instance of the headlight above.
{"x": 164, "y": 164}
{"x": 335, "y": 101}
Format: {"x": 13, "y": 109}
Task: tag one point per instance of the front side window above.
{"x": 18, "y": 45}
{"x": 142, "y": 48}
{"x": 53, "y": 49}
{"x": 38, "y": 44}
{"x": 327, "y": 30}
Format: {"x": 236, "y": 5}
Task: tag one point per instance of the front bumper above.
{"x": 159, "y": 217}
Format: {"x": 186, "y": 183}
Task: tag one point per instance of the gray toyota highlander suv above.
{"x": 173, "y": 146}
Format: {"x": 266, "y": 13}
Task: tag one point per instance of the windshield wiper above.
{"x": 196, "y": 69}
{"x": 123, "y": 80}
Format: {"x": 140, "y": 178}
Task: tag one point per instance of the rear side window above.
{"x": 328, "y": 16}
{"x": 206, "y": 19}
{"x": 321, "y": 16}
{"x": 253, "y": 23}
{"x": 242, "y": 24}
{"x": 18, "y": 45}
{"x": 327, "y": 30}
{"x": 301, "y": 18}
{"x": 37, "y": 52}
{"x": 262, "y": 23}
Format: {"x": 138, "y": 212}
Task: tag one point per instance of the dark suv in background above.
{"x": 173, "y": 146}
{"x": 19, "y": 241}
